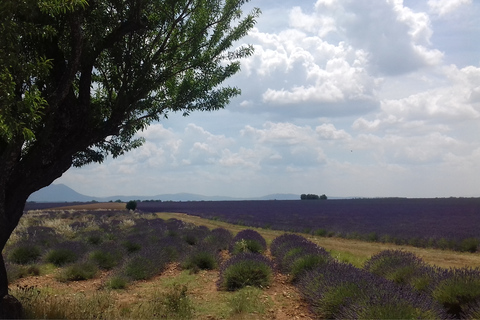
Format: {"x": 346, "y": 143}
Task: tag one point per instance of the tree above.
{"x": 79, "y": 78}
{"x": 131, "y": 205}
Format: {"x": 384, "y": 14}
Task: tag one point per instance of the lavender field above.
{"x": 446, "y": 223}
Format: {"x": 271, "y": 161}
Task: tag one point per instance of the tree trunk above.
{"x": 14, "y": 192}
{"x": 10, "y": 308}
{"x": 3, "y": 280}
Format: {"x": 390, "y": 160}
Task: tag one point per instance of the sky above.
{"x": 348, "y": 98}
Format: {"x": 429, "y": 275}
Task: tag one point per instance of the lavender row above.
{"x": 134, "y": 247}
{"x": 446, "y": 223}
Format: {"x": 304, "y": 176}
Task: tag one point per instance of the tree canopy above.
{"x": 79, "y": 78}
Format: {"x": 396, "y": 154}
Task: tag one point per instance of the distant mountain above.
{"x": 63, "y": 193}
{"x": 59, "y": 193}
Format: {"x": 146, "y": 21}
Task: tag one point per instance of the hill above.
{"x": 63, "y": 193}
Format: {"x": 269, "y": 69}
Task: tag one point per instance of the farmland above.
{"x": 165, "y": 264}
{"x": 445, "y": 223}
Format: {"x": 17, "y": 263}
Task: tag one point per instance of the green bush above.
{"x": 131, "y": 205}
{"x": 458, "y": 290}
{"x": 177, "y": 304}
{"x": 247, "y": 245}
{"x": 200, "y": 260}
{"x": 394, "y": 311}
{"x": 105, "y": 260}
{"x": 78, "y": 271}
{"x": 246, "y": 269}
{"x": 60, "y": 257}
{"x": 117, "y": 282}
{"x": 24, "y": 254}
{"x": 246, "y": 300}
{"x": 139, "y": 268}
{"x": 469, "y": 245}
{"x": 131, "y": 247}
{"x": 334, "y": 298}
{"x": 16, "y": 271}
{"x": 305, "y": 263}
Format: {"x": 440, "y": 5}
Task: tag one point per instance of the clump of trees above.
{"x": 311, "y": 196}
{"x": 131, "y": 205}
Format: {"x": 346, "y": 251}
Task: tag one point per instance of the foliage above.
{"x": 337, "y": 290}
{"x": 131, "y": 205}
{"x": 202, "y": 257}
{"x": 457, "y": 289}
{"x": 221, "y": 238}
{"x": 248, "y": 240}
{"x": 16, "y": 271}
{"x": 245, "y": 269}
{"x": 105, "y": 260}
{"x": 247, "y": 300}
{"x": 59, "y": 257}
{"x": 294, "y": 255}
{"x": 24, "y": 254}
{"x": 78, "y": 271}
{"x": 116, "y": 282}
{"x": 311, "y": 196}
{"x": 177, "y": 304}
{"x": 403, "y": 268}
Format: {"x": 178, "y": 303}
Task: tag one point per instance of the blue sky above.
{"x": 342, "y": 97}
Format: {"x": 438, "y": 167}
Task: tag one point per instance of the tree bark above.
{"x": 3, "y": 280}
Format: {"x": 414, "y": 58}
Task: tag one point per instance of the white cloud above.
{"x": 444, "y": 7}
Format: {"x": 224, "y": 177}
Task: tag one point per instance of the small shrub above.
{"x": 320, "y": 232}
{"x": 131, "y": 246}
{"x": 245, "y": 269}
{"x": 305, "y": 263}
{"x": 60, "y": 257}
{"x": 334, "y": 298}
{"x": 248, "y": 240}
{"x": 24, "y": 254}
{"x": 401, "y": 267}
{"x": 117, "y": 282}
{"x": 105, "y": 260}
{"x": 220, "y": 238}
{"x": 246, "y": 300}
{"x": 78, "y": 271}
{"x": 247, "y": 246}
{"x": 458, "y": 289}
{"x": 469, "y": 245}
{"x": 200, "y": 260}
{"x": 139, "y": 268}
{"x": 177, "y": 304}
{"x": 16, "y": 271}
{"x": 94, "y": 239}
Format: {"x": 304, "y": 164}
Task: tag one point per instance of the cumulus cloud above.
{"x": 444, "y": 7}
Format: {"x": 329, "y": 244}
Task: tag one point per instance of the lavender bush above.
{"x": 457, "y": 290}
{"x": 245, "y": 269}
{"x": 220, "y": 238}
{"x": 294, "y": 255}
{"x": 340, "y": 291}
{"x": 403, "y": 267}
{"x": 248, "y": 240}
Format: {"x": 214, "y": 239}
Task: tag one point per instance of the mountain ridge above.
{"x": 63, "y": 193}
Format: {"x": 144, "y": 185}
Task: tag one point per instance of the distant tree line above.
{"x": 312, "y": 197}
